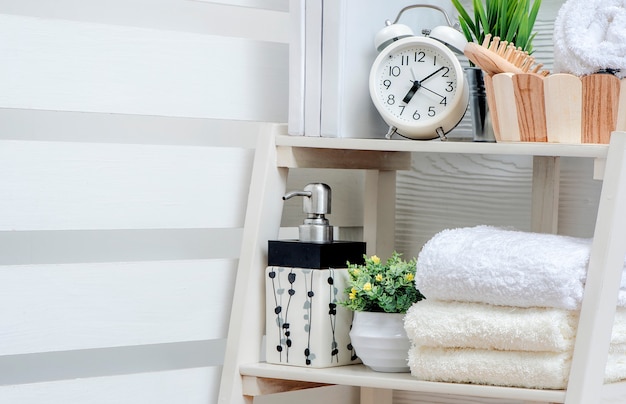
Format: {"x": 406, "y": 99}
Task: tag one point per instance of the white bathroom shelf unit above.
{"x": 245, "y": 375}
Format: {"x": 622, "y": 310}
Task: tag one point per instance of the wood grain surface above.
{"x": 600, "y": 99}
{"x": 530, "y": 103}
{"x": 504, "y": 97}
{"x": 563, "y": 100}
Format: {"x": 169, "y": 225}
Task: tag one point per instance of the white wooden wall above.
{"x": 127, "y": 130}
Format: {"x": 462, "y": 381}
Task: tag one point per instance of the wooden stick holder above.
{"x": 559, "y": 108}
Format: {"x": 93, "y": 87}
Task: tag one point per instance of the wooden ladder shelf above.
{"x": 244, "y": 376}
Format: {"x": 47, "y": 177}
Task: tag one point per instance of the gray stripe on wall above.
{"x": 86, "y": 127}
{"x": 74, "y": 246}
{"x": 49, "y": 366}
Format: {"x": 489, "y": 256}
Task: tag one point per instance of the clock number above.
{"x": 394, "y": 71}
{"x": 416, "y": 115}
{"x": 419, "y": 57}
{"x": 405, "y": 60}
{"x": 450, "y": 87}
{"x": 387, "y": 84}
{"x": 401, "y": 108}
{"x": 446, "y": 70}
{"x": 391, "y": 99}
{"x": 444, "y": 101}
{"x": 431, "y": 111}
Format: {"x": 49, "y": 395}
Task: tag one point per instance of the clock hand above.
{"x": 418, "y": 83}
{"x": 428, "y": 89}
{"x": 432, "y": 74}
{"x": 416, "y": 86}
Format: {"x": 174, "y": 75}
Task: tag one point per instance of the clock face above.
{"x": 417, "y": 86}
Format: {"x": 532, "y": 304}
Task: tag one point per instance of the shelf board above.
{"x": 451, "y": 146}
{"x": 359, "y": 375}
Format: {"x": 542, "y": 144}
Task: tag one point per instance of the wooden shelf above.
{"x": 276, "y": 153}
{"x": 437, "y": 146}
{"x": 359, "y": 375}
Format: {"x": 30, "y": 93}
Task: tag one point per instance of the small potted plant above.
{"x": 380, "y": 294}
{"x": 512, "y": 21}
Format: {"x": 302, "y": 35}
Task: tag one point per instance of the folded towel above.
{"x": 483, "y": 326}
{"x": 539, "y": 370}
{"x": 505, "y": 267}
{"x": 590, "y": 35}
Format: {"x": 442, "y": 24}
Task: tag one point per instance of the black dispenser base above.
{"x": 294, "y": 253}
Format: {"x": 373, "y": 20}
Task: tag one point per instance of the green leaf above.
{"x": 492, "y": 15}
{"x": 514, "y": 25}
{"x": 529, "y": 46}
{"x": 532, "y": 17}
{"x": 511, "y": 20}
{"x": 479, "y": 11}
{"x": 502, "y": 20}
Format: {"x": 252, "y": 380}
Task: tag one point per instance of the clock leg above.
{"x": 392, "y": 130}
{"x": 441, "y": 134}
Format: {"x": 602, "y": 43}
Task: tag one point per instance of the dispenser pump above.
{"x": 316, "y": 204}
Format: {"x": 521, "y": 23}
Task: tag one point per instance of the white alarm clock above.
{"x": 417, "y": 83}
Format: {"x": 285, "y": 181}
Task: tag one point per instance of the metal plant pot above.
{"x": 479, "y": 110}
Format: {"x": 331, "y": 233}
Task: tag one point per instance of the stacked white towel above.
{"x": 504, "y": 267}
{"x": 502, "y": 308}
{"x": 590, "y": 35}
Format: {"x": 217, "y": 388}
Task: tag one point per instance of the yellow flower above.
{"x": 353, "y": 291}
{"x": 375, "y": 259}
{"x": 367, "y": 287}
{"x": 410, "y": 277}
{"x": 352, "y": 296}
{"x": 379, "y": 278}
{"x": 356, "y": 271}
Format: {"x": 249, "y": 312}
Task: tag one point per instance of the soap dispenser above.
{"x": 316, "y": 205}
{"x": 315, "y": 246}
{"x": 310, "y": 275}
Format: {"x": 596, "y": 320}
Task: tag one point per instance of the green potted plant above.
{"x": 512, "y": 21}
{"x": 379, "y": 294}
{"x": 382, "y": 287}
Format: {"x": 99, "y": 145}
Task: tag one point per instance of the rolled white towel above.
{"x": 590, "y": 35}
{"x": 450, "y": 324}
{"x": 538, "y": 370}
{"x": 504, "y": 267}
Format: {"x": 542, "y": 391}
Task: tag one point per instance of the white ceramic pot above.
{"x": 380, "y": 340}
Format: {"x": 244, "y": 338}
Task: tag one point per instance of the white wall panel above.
{"x": 101, "y": 68}
{"x": 188, "y": 386}
{"x": 226, "y": 19}
{"x": 128, "y": 129}
{"x": 52, "y": 186}
{"x": 447, "y": 191}
{"x": 579, "y": 197}
{"x": 270, "y": 4}
{"x": 81, "y": 306}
